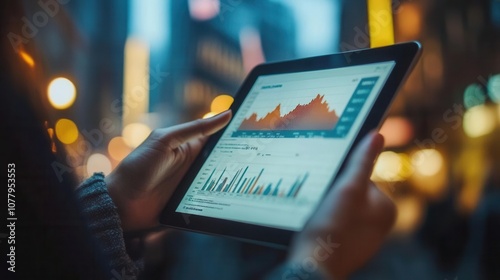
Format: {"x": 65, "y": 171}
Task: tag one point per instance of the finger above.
{"x": 179, "y": 134}
{"x": 362, "y": 160}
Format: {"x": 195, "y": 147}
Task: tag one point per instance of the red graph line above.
{"x": 314, "y": 115}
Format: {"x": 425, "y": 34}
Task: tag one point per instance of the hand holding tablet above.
{"x": 294, "y": 125}
{"x": 144, "y": 181}
{"x": 352, "y": 221}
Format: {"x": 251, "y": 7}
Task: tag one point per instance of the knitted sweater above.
{"x": 104, "y": 223}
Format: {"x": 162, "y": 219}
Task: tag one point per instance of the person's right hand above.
{"x": 351, "y": 223}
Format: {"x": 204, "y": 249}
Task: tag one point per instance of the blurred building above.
{"x": 208, "y": 55}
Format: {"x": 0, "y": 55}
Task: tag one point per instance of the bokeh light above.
{"x": 430, "y": 178}
{"x": 204, "y": 9}
{"x": 27, "y": 58}
{"x": 498, "y": 112}
{"x": 397, "y": 131}
{"x": 474, "y": 96}
{"x": 391, "y": 167}
{"x": 427, "y": 162}
{"x": 494, "y": 88}
{"x": 410, "y": 212}
{"x": 209, "y": 115}
{"x": 61, "y": 93}
{"x": 473, "y": 177}
{"x": 98, "y": 163}
{"x": 135, "y": 133}
{"x": 51, "y": 133}
{"x": 136, "y": 80}
{"x": 409, "y": 21}
{"x": 118, "y": 149}
{"x": 479, "y": 121}
{"x": 221, "y": 103}
{"x": 66, "y": 131}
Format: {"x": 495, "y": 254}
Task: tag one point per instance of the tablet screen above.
{"x": 285, "y": 144}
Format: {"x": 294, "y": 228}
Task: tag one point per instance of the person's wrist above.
{"x": 132, "y": 210}
{"x": 116, "y": 195}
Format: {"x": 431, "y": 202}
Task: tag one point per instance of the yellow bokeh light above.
{"x": 98, "y": 163}
{"x": 136, "y": 80}
{"x": 479, "y": 121}
{"x": 135, "y": 133}
{"x": 498, "y": 112}
{"x": 430, "y": 174}
{"x": 474, "y": 168}
{"x": 469, "y": 198}
{"x": 427, "y": 162}
{"x": 410, "y": 210}
{"x": 61, "y": 93}
{"x": 209, "y": 115}
{"x": 66, "y": 131}
{"x": 118, "y": 149}
{"x": 391, "y": 167}
{"x": 51, "y": 133}
{"x": 27, "y": 58}
{"x": 221, "y": 103}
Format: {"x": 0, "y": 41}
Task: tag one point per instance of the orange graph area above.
{"x": 315, "y": 115}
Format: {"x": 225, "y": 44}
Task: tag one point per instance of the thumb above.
{"x": 177, "y": 135}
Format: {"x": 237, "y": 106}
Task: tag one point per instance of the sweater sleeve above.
{"x": 104, "y": 223}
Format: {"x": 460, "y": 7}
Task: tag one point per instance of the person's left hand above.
{"x": 143, "y": 182}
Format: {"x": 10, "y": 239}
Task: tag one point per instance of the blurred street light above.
{"x": 61, "y": 93}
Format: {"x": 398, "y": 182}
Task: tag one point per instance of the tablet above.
{"x": 294, "y": 124}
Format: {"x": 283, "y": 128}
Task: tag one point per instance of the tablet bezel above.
{"x": 405, "y": 56}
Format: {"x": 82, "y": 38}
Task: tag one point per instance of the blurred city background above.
{"x": 118, "y": 69}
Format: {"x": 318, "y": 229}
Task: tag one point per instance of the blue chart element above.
{"x": 239, "y": 184}
{"x": 354, "y": 106}
{"x": 340, "y": 129}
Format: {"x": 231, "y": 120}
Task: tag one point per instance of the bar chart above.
{"x": 222, "y": 181}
